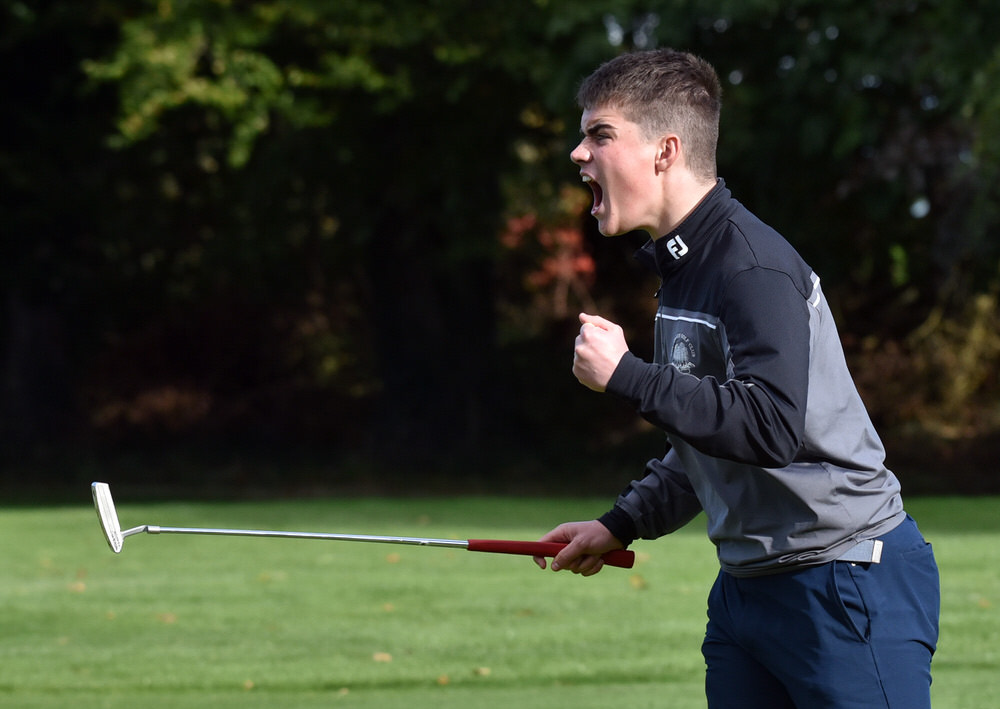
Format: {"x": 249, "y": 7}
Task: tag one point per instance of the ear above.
{"x": 668, "y": 152}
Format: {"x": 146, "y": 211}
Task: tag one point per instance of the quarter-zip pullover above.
{"x": 767, "y": 432}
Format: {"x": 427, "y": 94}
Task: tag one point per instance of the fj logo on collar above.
{"x": 677, "y": 247}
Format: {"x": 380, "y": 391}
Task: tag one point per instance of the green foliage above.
{"x": 266, "y": 203}
{"x": 853, "y": 108}
{"x": 858, "y": 109}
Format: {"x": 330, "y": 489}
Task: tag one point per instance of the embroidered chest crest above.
{"x": 683, "y": 354}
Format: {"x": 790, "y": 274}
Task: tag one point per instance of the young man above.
{"x": 827, "y": 595}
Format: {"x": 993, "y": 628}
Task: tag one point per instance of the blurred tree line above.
{"x": 347, "y": 234}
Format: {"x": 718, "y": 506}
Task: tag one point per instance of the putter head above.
{"x": 105, "y": 507}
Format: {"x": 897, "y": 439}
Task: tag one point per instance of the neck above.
{"x": 681, "y": 197}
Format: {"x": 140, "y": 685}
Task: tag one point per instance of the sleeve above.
{"x": 662, "y": 502}
{"x": 758, "y": 415}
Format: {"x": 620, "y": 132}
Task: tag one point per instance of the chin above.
{"x": 610, "y": 231}
{"x": 606, "y": 228}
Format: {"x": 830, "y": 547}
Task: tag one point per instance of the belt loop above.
{"x": 866, "y": 552}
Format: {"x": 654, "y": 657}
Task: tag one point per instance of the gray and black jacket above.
{"x": 767, "y": 433}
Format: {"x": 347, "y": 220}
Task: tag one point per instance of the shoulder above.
{"x": 747, "y": 243}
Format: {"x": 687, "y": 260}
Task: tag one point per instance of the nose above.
{"x": 580, "y": 154}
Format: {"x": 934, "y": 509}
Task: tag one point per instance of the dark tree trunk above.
{"x": 36, "y": 394}
{"x": 435, "y": 343}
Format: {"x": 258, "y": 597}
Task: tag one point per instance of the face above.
{"x": 619, "y": 165}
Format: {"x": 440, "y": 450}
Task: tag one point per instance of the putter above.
{"x": 113, "y": 533}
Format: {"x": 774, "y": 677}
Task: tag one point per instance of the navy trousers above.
{"x": 835, "y": 636}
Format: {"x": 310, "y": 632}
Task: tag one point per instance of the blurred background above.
{"x": 258, "y": 248}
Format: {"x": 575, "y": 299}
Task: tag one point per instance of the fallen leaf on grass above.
{"x": 272, "y": 576}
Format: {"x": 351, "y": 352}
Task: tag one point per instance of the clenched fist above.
{"x": 599, "y": 348}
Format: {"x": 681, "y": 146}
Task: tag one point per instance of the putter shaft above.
{"x": 416, "y": 541}
{"x": 106, "y": 513}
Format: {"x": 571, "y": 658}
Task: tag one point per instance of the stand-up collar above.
{"x": 672, "y": 249}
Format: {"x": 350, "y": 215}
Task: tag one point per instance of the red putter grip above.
{"x": 619, "y": 557}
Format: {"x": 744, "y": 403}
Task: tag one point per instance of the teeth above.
{"x": 587, "y": 178}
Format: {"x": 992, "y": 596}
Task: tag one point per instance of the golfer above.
{"x": 827, "y": 595}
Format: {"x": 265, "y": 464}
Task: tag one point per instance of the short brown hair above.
{"x": 663, "y": 90}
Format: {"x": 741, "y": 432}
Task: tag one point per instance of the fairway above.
{"x": 178, "y": 621}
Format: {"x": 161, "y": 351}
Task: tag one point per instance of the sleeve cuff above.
{"x": 620, "y": 524}
{"x": 623, "y": 378}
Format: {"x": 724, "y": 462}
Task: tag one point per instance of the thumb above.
{"x": 567, "y": 556}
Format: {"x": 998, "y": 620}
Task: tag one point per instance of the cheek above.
{"x": 631, "y": 177}
{"x": 630, "y": 188}
{"x": 643, "y": 177}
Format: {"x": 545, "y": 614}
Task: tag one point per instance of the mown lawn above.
{"x": 179, "y": 621}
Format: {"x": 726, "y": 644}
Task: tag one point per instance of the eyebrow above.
{"x": 595, "y": 128}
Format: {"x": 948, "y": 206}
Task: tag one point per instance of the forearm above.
{"x": 735, "y": 420}
{"x": 751, "y": 406}
{"x": 661, "y": 502}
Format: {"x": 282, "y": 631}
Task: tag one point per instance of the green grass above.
{"x": 177, "y": 621}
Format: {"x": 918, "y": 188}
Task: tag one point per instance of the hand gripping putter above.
{"x": 113, "y": 532}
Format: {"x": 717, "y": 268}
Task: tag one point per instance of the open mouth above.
{"x": 597, "y": 190}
